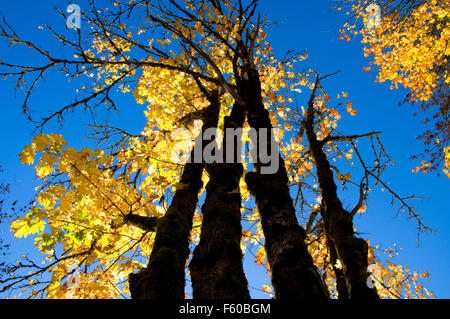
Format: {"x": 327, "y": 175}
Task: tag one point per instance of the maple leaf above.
{"x": 27, "y": 155}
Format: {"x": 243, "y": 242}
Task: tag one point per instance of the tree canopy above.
{"x": 136, "y": 216}
{"x": 409, "y": 48}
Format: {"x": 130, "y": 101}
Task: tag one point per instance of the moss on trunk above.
{"x": 294, "y": 275}
{"x": 351, "y": 250}
{"x": 164, "y": 276}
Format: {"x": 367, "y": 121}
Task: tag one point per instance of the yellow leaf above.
{"x": 351, "y": 110}
{"x": 43, "y": 170}
{"x": 179, "y": 186}
{"x": 235, "y": 191}
{"x": 41, "y": 141}
{"x": 19, "y": 227}
{"x": 27, "y": 155}
{"x": 24, "y": 226}
{"x": 347, "y": 176}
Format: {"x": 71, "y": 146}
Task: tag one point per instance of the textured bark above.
{"x": 216, "y": 267}
{"x": 351, "y": 250}
{"x": 143, "y": 222}
{"x": 164, "y": 276}
{"x": 341, "y": 286}
{"x": 294, "y": 274}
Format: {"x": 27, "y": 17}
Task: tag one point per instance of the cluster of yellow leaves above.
{"x": 81, "y": 211}
{"x": 392, "y": 281}
{"x": 447, "y": 161}
{"x": 94, "y": 285}
{"x": 350, "y": 109}
{"x": 28, "y": 225}
{"x": 409, "y": 49}
{"x": 408, "y": 53}
{"x": 329, "y": 116}
{"x": 425, "y": 166}
{"x": 298, "y": 160}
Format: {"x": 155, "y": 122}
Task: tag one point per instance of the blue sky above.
{"x": 307, "y": 24}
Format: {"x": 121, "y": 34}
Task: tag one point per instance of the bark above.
{"x": 216, "y": 267}
{"x": 341, "y": 286}
{"x": 145, "y": 223}
{"x": 164, "y": 276}
{"x": 351, "y": 250}
{"x": 293, "y": 272}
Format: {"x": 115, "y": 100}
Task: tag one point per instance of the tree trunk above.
{"x": 216, "y": 267}
{"x": 341, "y": 286}
{"x": 164, "y": 276}
{"x": 351, "y": 251}
{"x": 294, "y": 274}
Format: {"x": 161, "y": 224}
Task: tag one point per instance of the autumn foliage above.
{"x": 97, "y": 210}
{"x": 409, "y": 48}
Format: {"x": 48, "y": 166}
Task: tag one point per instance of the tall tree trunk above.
{"x": 294, "y": 274}
{"x": 341, "y": 286}
{"x": 351, "y": 251}
{"x": 164, "y": 276}
{"x": 216, "y": 267}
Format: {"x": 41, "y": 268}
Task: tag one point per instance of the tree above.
{"x": 164, "y": 276}
{"x": 409, "y": 47}
{"x": 216, "y": 266}
{"x": 97, "y": 209}
{"x": 350, "y": 250}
